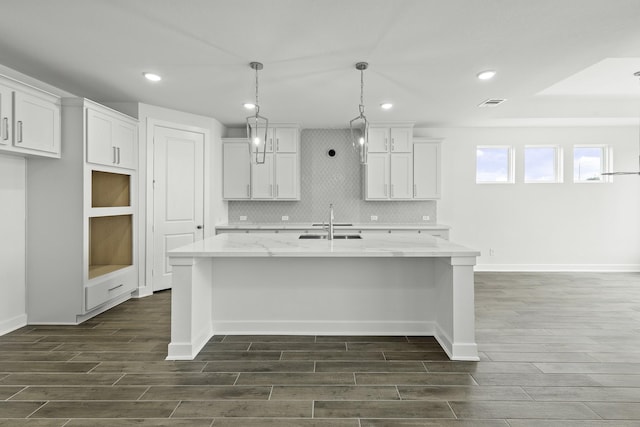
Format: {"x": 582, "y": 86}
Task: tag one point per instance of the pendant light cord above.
{"x": 361, "y": 93}
{"x": 257, "y": 99}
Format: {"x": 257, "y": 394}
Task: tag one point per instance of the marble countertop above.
{"x": 339, "y": 226}
{"x": 289, "y": 245}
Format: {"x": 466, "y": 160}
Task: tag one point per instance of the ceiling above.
{"x": 558, "y": 61}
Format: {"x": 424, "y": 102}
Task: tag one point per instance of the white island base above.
{"x": 276, "y": 285}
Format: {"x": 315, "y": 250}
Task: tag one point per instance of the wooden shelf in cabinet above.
{"x": 110, "y": 244}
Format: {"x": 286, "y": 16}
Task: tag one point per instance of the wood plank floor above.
{"x": 556, "y": 350}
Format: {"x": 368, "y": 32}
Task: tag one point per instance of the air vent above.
{"x": 492, "y": 102}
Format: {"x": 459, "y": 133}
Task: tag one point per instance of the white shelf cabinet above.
{"x": 112, "y": 139}
{"x": 278, "y": 178}
{"x": 426, "y": 169}
{"x": 82, "y": 223}
{"x": 29, "y": 120}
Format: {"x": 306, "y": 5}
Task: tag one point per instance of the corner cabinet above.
{"x": 82, "y": 218}
{"x": 29, "y": 120}
{"x": 278, "y": 178}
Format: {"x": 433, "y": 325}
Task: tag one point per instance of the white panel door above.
{"x": 178, "y": 174}
{"x": 401, "y": 176}
{"x": 377, "y": 177}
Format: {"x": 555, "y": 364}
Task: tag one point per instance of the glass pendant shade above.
{"x": 359, "y": 126}
{"x": 255, "y": 126}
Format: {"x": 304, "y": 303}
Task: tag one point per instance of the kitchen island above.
{"x": 263, "y": 284}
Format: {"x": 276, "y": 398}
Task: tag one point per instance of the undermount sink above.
{"x": 336, "y": 236}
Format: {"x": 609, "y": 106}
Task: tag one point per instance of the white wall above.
{"x": 543, "y": 227}
{"x": 13, "y": 310}
{"x": 215, "y": 209}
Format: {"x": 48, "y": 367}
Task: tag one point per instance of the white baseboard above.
{"x": 10, "y": 325}
{"x": 595, "y": 268}
{"x": 142, "y": 292}
{"x": 398, "y": 328}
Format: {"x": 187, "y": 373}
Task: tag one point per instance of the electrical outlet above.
{"x": 243, "y": 217}
{"x": 374, "y": 217}
{"x": 285, "y": 217}
{"x": 425, "y": 217}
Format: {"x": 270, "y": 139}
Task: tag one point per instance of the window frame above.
{"x": 557, "y": 164}
{"x": 605, "y": 163}
{"x": 510, "y": 163}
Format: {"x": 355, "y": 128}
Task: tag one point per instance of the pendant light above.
{"x": 637, "y": 74}
{"x": 360, "y": 125}
{"x": 255, "y": 124}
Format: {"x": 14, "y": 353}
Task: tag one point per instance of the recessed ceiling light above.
{"x": 152, "y": 77}
{"x": 386, "y": 105}
{"x": 249, "y": 106}
{"x": 486, "y": 75}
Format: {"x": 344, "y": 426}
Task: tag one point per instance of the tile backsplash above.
{"x": 326, "y": 180}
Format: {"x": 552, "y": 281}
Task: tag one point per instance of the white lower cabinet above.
{"x": 29, "y": 120}
{"x": 82, "y": 223}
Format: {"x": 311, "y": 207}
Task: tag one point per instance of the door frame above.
{"x": 150, "y": 194}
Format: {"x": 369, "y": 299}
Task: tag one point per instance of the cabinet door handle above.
{"x": 393, "y": 144}
{"x": 385, "y": 190}
{"x": 270, "y": 190}
{"x": 277, "y": 190}
{"x": 392, "y": 190}
{"x": 415, "y": 190}
{"x": 277, "y": 144}
{"x": 118, "y": 155}
{"x": 248, "y": 190}
{"x": 113, "y": 151}
{"x": 385, "y": 144}
{"x": 19, "y": 130}
{"x": 6, "y": 129}
{"x": 116, "y": 287}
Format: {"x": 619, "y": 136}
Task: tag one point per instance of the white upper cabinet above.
{"x": 389, "y": 169}
{"x": 111, "y": 139}
{"x": 286, "y": 140}
{"x": 401, "y": 139}
{"x": 377, "y": 177}
{"x": 426, "y": 170}
{"x": 278, "y": 178}
{"x": 29, "y": 120}
{"x": 378, "y": 140}
{"x": 286, "y": 175}
{"x": 236, "y": 167}
{"x": 262, "y": 179}
{"x": 401, "y": 176}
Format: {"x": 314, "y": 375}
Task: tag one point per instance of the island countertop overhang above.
{"x": 289, "y": 245}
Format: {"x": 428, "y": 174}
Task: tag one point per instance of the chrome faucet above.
{"x": 331, "y": 218}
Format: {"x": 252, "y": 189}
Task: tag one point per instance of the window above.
{"x": 589, "y": 161}
{"x": 494, "y": 164}
{"x": 542, "y": 164}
